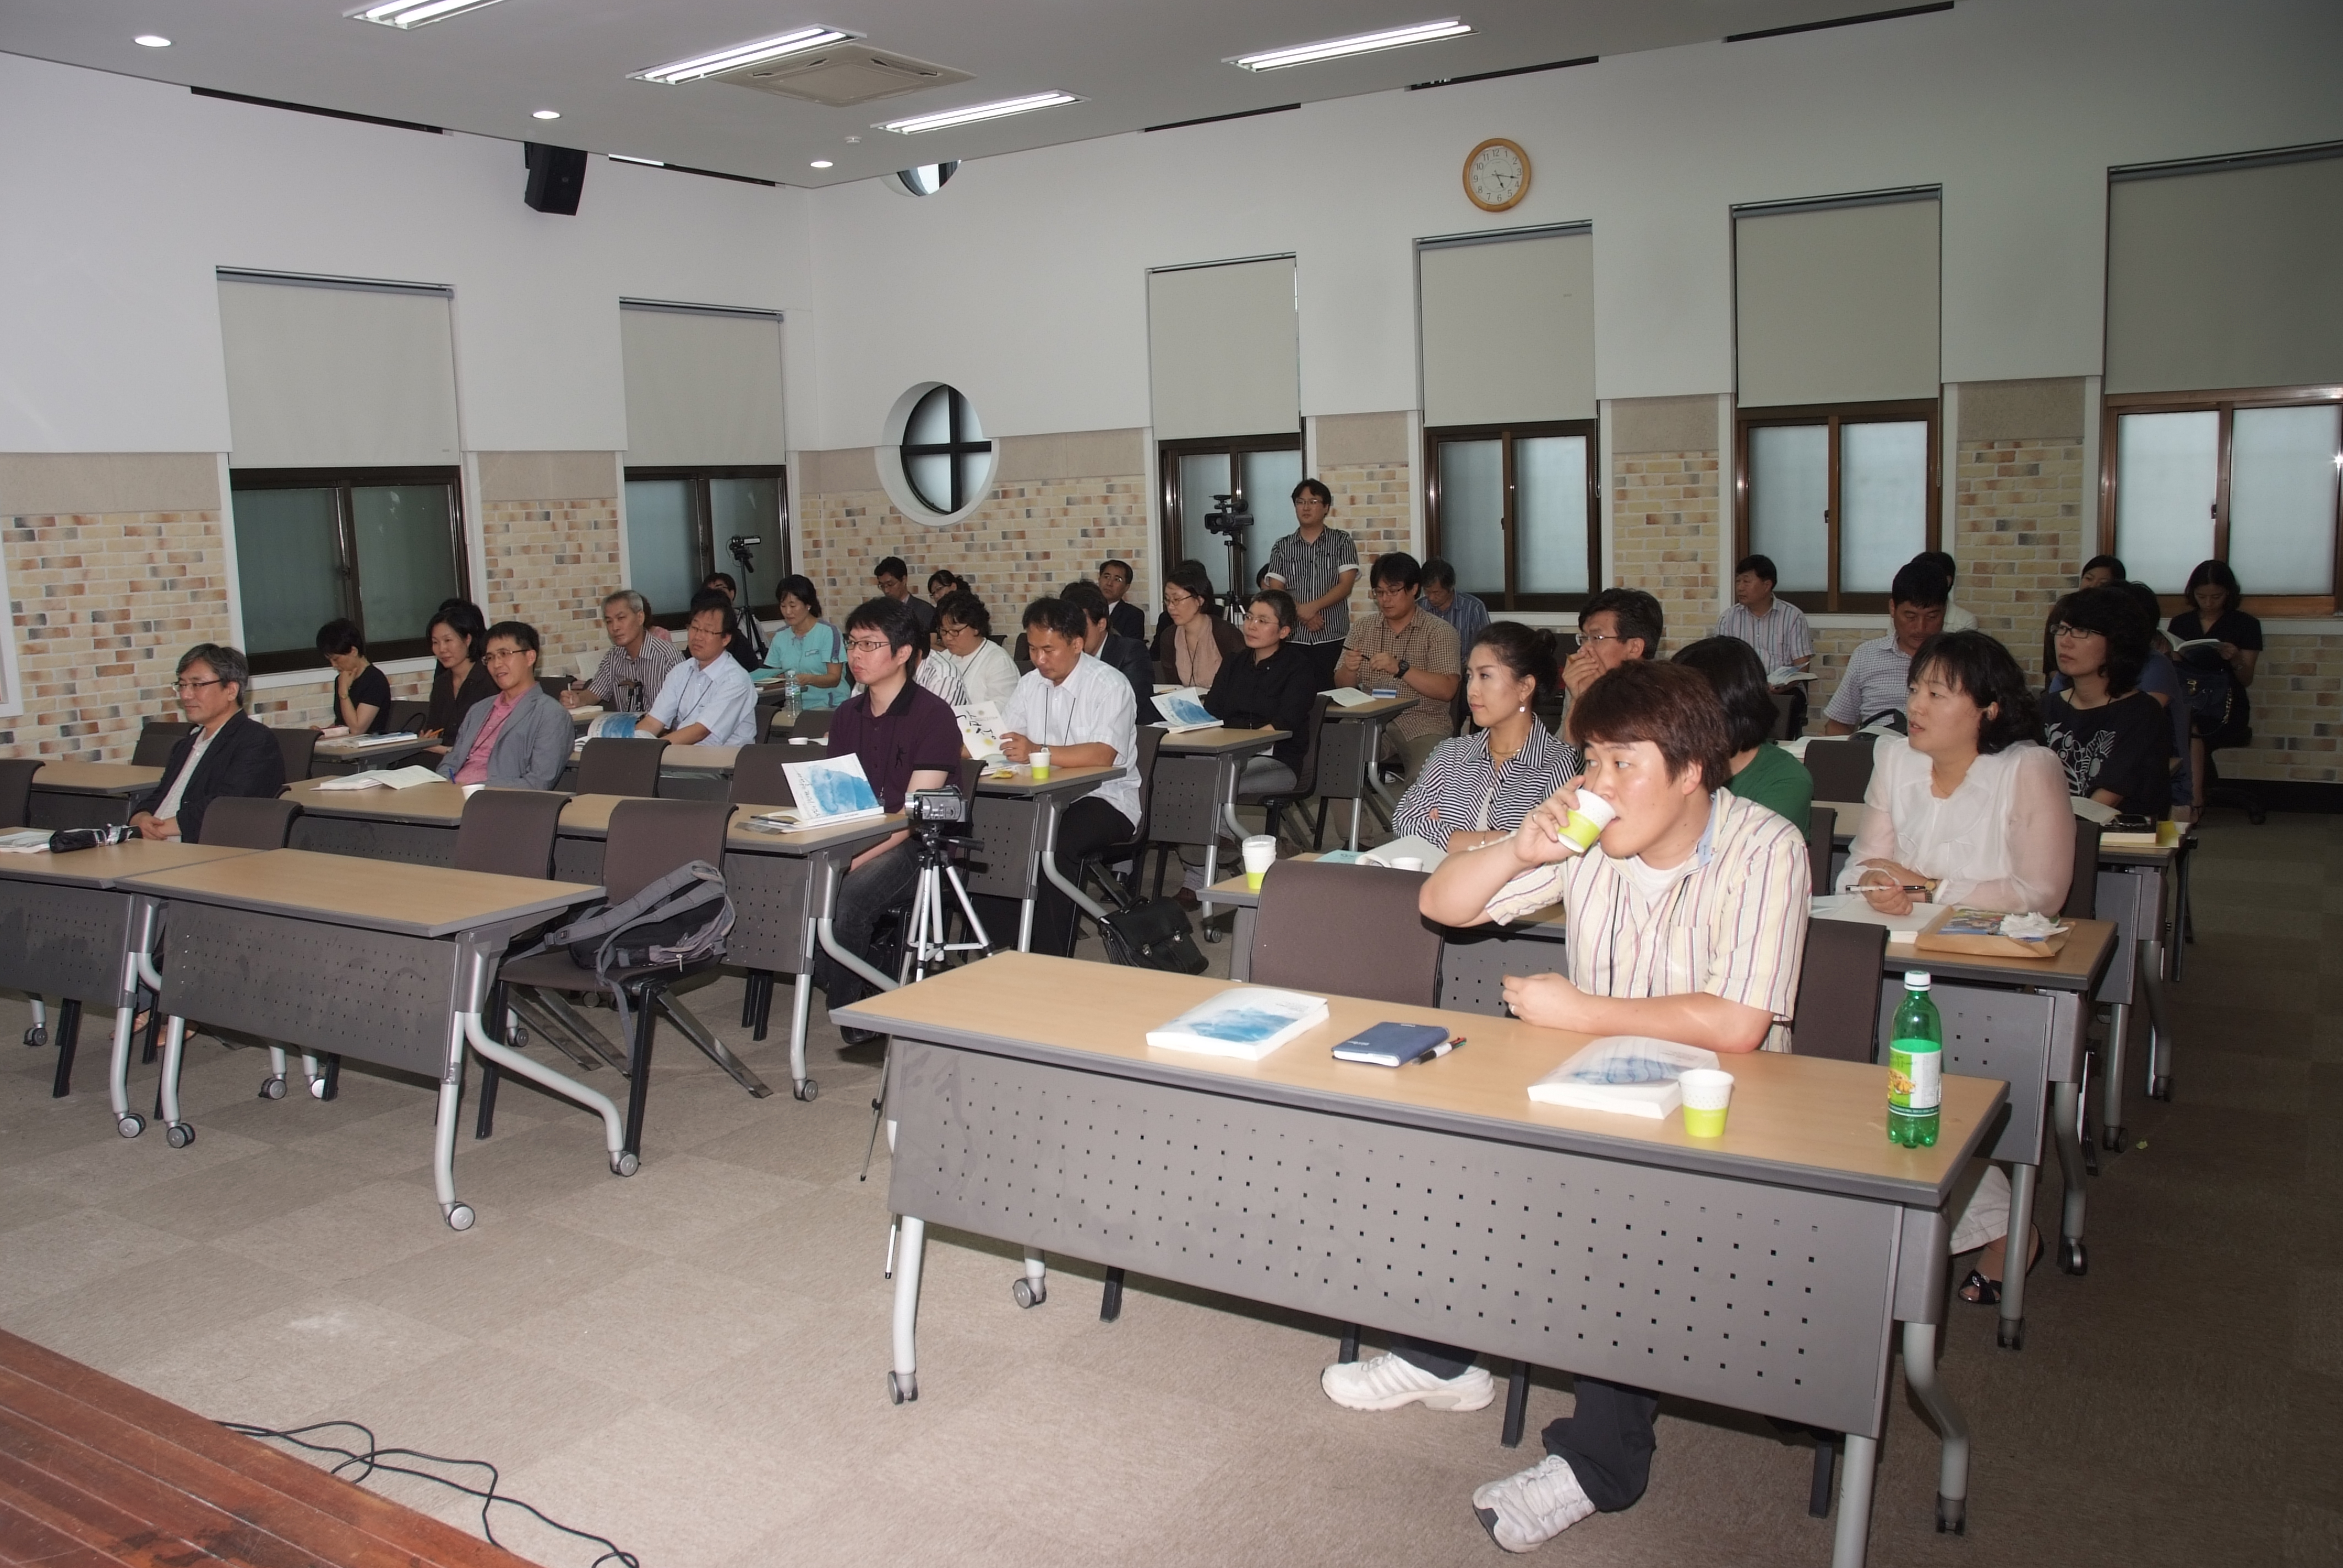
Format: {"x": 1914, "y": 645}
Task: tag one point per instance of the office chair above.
{"x": 299, "y": 748}
{"x": 156, "y": 738}
{"x": 611, "y": 767}
{"x": 2083, "y": 892}
{"x": 16, "y": 789}
{"x": 1841, "y": 767}
{"x": 408, "y": 717}
{"x": 811, "y": 723}
{"x": 1133, "y": 848}
{"x": 1274, "y": 803}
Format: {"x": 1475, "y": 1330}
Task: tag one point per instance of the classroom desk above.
{"x": 69, "y": 930}
{"x": 385, "y": 962}
{"x": 1194, "y": 795}
{"x": 338, "y": 756}
{"x": 1347, "y": 750}
{"x": 87, "y": 794}
{"x": 685, "y": 772}
{"x": 416, "y": 825}
{"x": 1015, "y": 825}
{"x": 1059, "y": 1128}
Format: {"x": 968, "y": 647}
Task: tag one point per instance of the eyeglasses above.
{"x": 184, "y": 687}
{"x": 2065, "y": 632}
{"x": 498, "y": 655}
{"x": 1173, "y": 598}
{"x": 1589, "y": 639}
{"x": 873, "y": 645}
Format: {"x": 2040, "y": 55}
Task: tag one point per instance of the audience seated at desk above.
{"x": 631, "y": 674}
{"x": 1193, "y": 637}
{"x": 967, "y": 666}
{"x": 2113, "y": 737}
{"x": 1269, "y": 686}
{"x": 1476, "y": 787}
{"x": 1957, "y": 618}
{"x": 1615, "y": 625}
{"x": 460, "y": 641}
{"x": 1773, "y": 626}
{"x": 1405, "y": 645}
{"x": 942, "y": 583}
{"x": 894, "y": 580}
{"x": 1688, "y": 923}
{"x": 1762, "y": 771}
{"x": 747, "y": 643}
{"x": 907, "y": 739}
{"x": 709, "y": 700}
{"x": 1081, "y": 712}
{"x": 2214, "y": 593}
{"x": 1464, "y": 611}
{"x": 808, "y": 647}
{"x": 521, "y": 739}
{"x": 1878, "y": 671}
{"x": 1125, "y": 619}
{"x": 1318, "y": 566}
{"x": 361, "y": 692}
{"x": 1101, "y": 641}
{"x": 226, "y": 754}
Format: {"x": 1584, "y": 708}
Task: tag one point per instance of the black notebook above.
{"x": 1391, "y": 1044}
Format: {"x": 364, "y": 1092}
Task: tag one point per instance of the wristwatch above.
{"x": 1403, "y": 667}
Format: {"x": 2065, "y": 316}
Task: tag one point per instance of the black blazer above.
{"x": 1272, "y": 693}
{"x": 1128, "y": 619}
{"x": 243, "y": 760}
{"x": 1129, "y": 656}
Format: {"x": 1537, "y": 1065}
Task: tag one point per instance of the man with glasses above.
{"x": 1408, "y": 648}
{"x": 630, "y": 674}
{"x": 1615, "y": 626}
{"x": 709, "y": 700}
{"x": 968, "y": 667}
{"x": 520, "y": 740}
{"x": 226, "y": 754}
{"x": 1318, "y": 566}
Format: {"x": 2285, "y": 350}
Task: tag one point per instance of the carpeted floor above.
{"x": 692, "y": 1362}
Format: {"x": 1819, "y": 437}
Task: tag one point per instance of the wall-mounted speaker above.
{"x": 556, "y": 176}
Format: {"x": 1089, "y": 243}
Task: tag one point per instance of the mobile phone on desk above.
{"x": 1396, "y": 1044}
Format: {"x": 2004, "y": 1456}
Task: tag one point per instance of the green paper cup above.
{"x": 1707, "y": 1093}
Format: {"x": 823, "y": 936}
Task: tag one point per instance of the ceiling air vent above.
{"x": 847, "y": 74}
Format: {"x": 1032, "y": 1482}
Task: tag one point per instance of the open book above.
{"x": 1346, "y": 696}
{"x": 1181, "y": 709}
{"x": 382, "y": 779}
{"x": 980, "y": 730}
{"x": 1631, "y": 1074}
{"x": 1246, "y": 1021}
{"x": 613, "y": 726}
{"x": 346, "y": 741}
{"x": 2194, "y": 644}
{"x": 832, "y": 790}
{"x": 1789, "y": 674}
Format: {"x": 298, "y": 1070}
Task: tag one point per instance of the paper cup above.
{"x": 1407, "y": 863}
{"x": 1588, "y": 819}
{"x": 1039, "y": 759}
{"x": 1706, "y": 1094}
{"x": 1260, "y": 854}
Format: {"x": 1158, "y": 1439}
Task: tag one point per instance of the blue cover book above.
{"x": 1391, "y": 1044}
{"x": 1247, "y": 1021}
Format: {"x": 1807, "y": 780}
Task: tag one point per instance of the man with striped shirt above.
{"x": 1688, "y": 922}
{"x": 1775, "y": 628}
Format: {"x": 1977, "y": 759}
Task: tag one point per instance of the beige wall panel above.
{"x": 1664, "y": 425}
{"x": 2022, "y": 410}
{"x": 1837, "y": 305}
{"x": 1079, "y": 454}
{"x": 51, "y": 484}
{"x": 549, "y": 475}
{"x": 1346, "y": 441}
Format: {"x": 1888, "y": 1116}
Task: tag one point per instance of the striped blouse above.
{"x": 1459, "y": 783}
{"x": 1731, "y": 920}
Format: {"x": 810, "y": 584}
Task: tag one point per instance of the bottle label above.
{"x": 1914, "y": 1075}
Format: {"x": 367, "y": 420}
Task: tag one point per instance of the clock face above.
{"x": 1496, "y": 174}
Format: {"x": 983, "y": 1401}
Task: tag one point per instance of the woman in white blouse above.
{"x": 967, "y": 666}
{"x": 1971, "y": 809}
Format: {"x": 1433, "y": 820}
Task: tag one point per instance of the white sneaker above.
{"x": 1525, "y": 1510}
{"x": 1389, "y": 1381}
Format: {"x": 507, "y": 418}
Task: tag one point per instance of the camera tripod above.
{"x": 927, "y": 945}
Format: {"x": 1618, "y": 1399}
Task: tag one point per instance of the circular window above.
{"x": 946, "y": 460}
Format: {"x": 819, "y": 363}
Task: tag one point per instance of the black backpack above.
{"x": 684, "y": 918}
{"x": 1154, "y": 935}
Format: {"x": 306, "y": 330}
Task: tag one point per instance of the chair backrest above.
{"x": 1352, "y": 930}
{"x": 1020, "y": 654}
{"x": 1150, "y": 745}
{"x": 756, "y": 776}
{"x": 1785, "y": 704}
{"x": 1838, "y": 991}
{"x": 1822, "y": 823}
{"x": 769, "y": 714}
{"x": 298, "y": 748}
{"x": 16, "y": 789}
{"x": 244, "y": 823}
{"x": 1840, "y": 768}
{"x": 156, "y": 738}
{"x": 409, "y": 716}
{"x": 649, "y": 838}
{"x": 510, "y": 832}
{"x": 612, "y": 766}
{"x": 553, "y": 686}
{"x": 2083, "y": 892}
{"x": 812, "y": 723}
{"x": 1305, "y": 778}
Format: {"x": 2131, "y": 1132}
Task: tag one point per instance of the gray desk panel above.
{"x": 55, "y": 809}
{"x": 1766, "y": 1298}
{"x": 1185, "y": 806}
{"x": 1005, "y": 825}
{"x": 63, "y": 941}
{"x": 580, "y": 859}
{"x": 1474, "y": 964}
{"x": 769, "y": 904}
{"x": 412, "y": 843}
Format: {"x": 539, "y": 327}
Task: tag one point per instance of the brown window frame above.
{"x": 1167, "y": 473}
{"x": 1833, "y": 600}
{"x": 711, "y": 558}
{"x": 342, "y": 481}
{"x": 2226, "y": 403}
{"x": 1512, "y": 597}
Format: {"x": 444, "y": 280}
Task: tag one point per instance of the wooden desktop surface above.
{"x": 107, "y": 864}
{"x": 1020, "y": 781}
{"x": 1234, "y": 894}
{"x": 97, "y": 777}
{"x": 379, "y": 894}
{"x": 1804, "y": 1113}
{"x": 439, "y": 804}
{"x": 1219, "y": 740}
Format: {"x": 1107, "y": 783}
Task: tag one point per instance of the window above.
{"x": 382, "y": 548}
{"x": 946, "y": 458}
{"x": 680, "y": 523}
{"x": 1839, "y": 497}
{"x": 2247, "y": 478}
{"x": 1259, "y": 472}
{"x": 1514, "y": 510}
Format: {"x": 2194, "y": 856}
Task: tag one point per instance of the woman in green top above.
{"x": 1762, "y": 771}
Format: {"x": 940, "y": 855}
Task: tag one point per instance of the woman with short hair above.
{"x": 361, "y": 692}
{"x": 807, "y": 647}
{"x": 2113, "y": 738}
{"x": 967, "y": 667}
{"x": 458, "y": 639}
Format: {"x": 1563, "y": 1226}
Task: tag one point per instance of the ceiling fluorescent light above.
{"x": 945, "y": 118}
{"x": 415, "y": 12}
{"x": 739, "y": 55}
{"x": 1362, "y": 43}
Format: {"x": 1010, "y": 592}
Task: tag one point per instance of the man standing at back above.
{"x": 894, "y": 580}
{"x": 1126, "y": 619}
{"x": 1876, "y": 683}
{"x": 1318, "y": 566}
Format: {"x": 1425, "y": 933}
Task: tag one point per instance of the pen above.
{"x": 1437, "y": 1051}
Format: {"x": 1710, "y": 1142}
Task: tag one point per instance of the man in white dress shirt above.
{"x": 708, "y": 700}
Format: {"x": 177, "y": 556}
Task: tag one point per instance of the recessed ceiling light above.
{"x": 1358, "y": 43}
{"x": 624, "y": 158}
{"x": 544, "y": 114}
{"x": 414, "y": 12}
{"x": 152, "y": 40}
{"x": 821, "y": 163}
{"x": 975, "y": 111}
{"x": 739, "y": 55}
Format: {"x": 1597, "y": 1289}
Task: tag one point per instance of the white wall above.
{"x": 121, "y": 196}
{"x": 1023, "y": 282}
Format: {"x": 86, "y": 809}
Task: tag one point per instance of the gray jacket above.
{"x": 530, "y": 751}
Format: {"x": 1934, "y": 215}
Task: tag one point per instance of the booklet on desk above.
{"x": 1247, "y": 1022}
{"x": 980, "y": 730}
{"x": 613, "y": 726}
{"x": 1181, "y": 709}
{"x": 1346, "y": 697}
{"x": 832, "y": 790}
{"x": 383, "y": 778}
{"x": 1631, "y": 1074}
{"x": 1788, "y": 675}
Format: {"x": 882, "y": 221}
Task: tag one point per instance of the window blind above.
{"x": 322, "y": 373}
{"x": 703, "y": 387}
{"x": 2227, "y": 276}
{"x": 1224, "y": 349}
{"x": 1836, "y": 302}
{"x": 1508, "y": 328}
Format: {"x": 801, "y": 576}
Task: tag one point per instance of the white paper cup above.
{"x": 1707, "y": 1093}
{"x": 1260, "y": 853}
{"x": 1039, "y": 759}
{"x": 1407, "y": 863}
{"x": 1588, "y": 819}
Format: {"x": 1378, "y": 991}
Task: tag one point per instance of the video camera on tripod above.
{"x": 1232, "y": 522}
{"x": 740, "y": 544}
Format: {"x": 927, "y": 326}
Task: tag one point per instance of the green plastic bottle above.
{"x": 1915, "y": 1056}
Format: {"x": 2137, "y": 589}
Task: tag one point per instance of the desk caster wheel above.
{"x": 36, "y": 1037}
{"x": 2160, "y": 1088}
{"x": 130, "y": 1126}
{"x": 903, "y": 1387}
{"x": 625, "y": 1162}
{"x": 2073, "y": 1259}
{"x": 272, "y": 1089}
{"x": 807, "y": 1090}
{"x": 1952, "y": 1516}
{"x": 179, "y": 1135}
{"x": 317, "y": 1088}
{"x": 460, "y": 1217}
{"x": 2011, "y": 1334}
{"x": 1029, "y": 1293}
{"x": 517, "y": 1037}
{"x": 2112, "y": 1140}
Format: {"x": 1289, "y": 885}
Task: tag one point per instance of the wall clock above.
{"x": 1496, "y": 174}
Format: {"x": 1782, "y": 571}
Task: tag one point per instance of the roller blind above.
{"x": 325, "y": 375}
{"x": 1508, "y": 328}
{"x": 2226, "y": 278}
{"x": 703, "y": 387}
{"x": 1836, "y": 303}
{"x": 1224, "y": 349}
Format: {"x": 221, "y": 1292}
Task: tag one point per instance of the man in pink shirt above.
{"x": 520, "y": 740}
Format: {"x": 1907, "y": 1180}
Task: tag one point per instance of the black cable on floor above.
{"x": 373, "y": 1457}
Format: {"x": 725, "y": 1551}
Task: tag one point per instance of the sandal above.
{"x": 1988, "y": 1292}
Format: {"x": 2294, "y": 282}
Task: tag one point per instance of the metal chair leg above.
{"x": 68, "y": 1040}
{"x": 1517, "y": 1403}
{"x": 1818, "y": 1499}
{"x": 638, "y": 1065}
{"x": 484, "y": 1121}
{"x": 1111, "y": 1302}
{"x": 1350, "y": 1351}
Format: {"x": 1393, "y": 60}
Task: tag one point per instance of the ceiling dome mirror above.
{"x": 925, "y": 180}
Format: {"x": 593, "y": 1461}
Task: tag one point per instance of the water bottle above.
{"x": 790, "y": 693}
{"x": 1915, "y": 1056}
